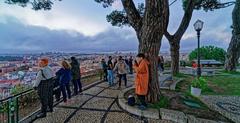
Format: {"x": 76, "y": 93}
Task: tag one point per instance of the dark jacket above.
{"x": 75, "y": 70}
{"x": 64, "y": 76}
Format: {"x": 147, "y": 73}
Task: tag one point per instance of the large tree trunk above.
{"x": 174, "y": 48}
{"x": 150, "y": 29}
{"x": 233, "y": 52}
{"x": 150, "y": 45}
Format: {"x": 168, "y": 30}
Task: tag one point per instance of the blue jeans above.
{"x": 110, "y": 77}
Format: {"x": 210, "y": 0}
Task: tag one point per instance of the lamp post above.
{"x": 198, "y": 25}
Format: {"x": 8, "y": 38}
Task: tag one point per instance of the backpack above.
{"x": 122, "y": 67}
{"x": 131, "y": 100}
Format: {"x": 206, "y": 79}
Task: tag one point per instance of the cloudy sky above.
{"x": 81, "y": 26}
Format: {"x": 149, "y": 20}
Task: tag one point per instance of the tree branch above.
{"x": 172, "y": 2}
{"x": 134, "y": 18}
{"x": 184, "y": 23}
{"x": 185, "y": 20}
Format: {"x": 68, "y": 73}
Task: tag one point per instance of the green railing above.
{"x": 19, "y": 107}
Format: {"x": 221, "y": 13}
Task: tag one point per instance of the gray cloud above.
{"x": 16, "y": 37}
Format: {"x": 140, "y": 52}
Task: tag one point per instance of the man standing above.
{"x": 76, "y": 76}
{"x": 130, "y": 64}
{"x": 110, "y": 71}
{"x": 122, "y": 68}
{"x": 104, "y": 70}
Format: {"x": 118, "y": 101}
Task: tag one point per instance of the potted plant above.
{"x": 198, "y": 84}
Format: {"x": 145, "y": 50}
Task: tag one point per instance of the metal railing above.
{"x": 16, "y": 108}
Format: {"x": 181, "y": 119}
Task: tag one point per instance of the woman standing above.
{"x": 65, "y": 77}
{"x": 44, "y": 85}
{"x": 141, "y": 79}
{"x": 76, "y": 76}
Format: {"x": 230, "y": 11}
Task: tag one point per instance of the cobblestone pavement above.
{"x": 95, "y": 105}
{"x": 228, "y": 106}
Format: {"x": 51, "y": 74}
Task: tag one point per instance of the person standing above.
{"x": 162, "y": 63}
{"x": 130, "y": 64}
{"x": 76, "y": 76}
{"x": 122, "y": 69}
{"x": 126, "y": 60}
{"x": 44, "y": 86}
{"x": 104, "y": 70}
{"x": 110, "y": 71}
{"x": 141, "y": 79}
{"x": 65, "y": 77}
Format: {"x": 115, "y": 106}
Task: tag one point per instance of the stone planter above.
{"x": 196, "y": 91}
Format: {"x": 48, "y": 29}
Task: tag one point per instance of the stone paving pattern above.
{"x": 228, "y": 106}
{"x": 95, "y": 105}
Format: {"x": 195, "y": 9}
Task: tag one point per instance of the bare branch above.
{"x": 133, "y": 15}
{"x": 172, "y": 2}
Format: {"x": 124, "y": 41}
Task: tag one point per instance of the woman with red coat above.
{"x": 141, "y": 79}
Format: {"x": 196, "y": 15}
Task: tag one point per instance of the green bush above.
{"x": 199, "y": 83}
{"x": 209, "y": 52}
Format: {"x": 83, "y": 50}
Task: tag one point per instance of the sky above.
{"x": 81, "y": 26}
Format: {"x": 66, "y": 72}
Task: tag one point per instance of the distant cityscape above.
{"x": 19, "y": 69}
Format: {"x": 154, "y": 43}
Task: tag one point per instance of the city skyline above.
{"x": 81, "y": 26}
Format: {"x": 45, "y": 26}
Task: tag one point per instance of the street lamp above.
{"x": 198, "y": 25}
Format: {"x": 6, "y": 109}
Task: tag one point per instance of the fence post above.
{"x": 11, "y": 111}
{"x": 17, "y": 110}
{"x": 8, "y": 111}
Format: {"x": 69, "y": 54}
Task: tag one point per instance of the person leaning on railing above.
{"x": 44, "y": 86}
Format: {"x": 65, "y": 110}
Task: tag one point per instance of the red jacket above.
{"x": 142, "y": 77}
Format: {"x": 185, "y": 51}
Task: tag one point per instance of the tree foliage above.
{"x": 36, "y": 4}
{"x": 119, "y": 18}
{"x": 209, "y": 52}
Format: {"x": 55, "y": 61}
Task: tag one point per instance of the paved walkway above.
{"x": 95, "y": 105}
{"x": 228, "y": 106}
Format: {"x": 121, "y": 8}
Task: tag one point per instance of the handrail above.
{"x": 30, "y": 90}
{"x": 12, "y": 103}
{"x": 16, "y": 95}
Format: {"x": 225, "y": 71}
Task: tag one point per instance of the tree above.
{"x": 233, "y": 52}
{"x": 149, "y": 21}
{"x": 209, "y": 52}
{"x": 119, "y": 18}
{"x": 188, "y": 6}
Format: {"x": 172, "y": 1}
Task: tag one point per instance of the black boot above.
{"x": 41, "y": 115}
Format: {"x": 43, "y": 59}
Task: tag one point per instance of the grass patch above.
{"x": 217, "y": 85}
{"x": 230, "y": 72}
{"x": 223, "y": 85}
{"x": 181, "y": 75}
{"x": 163, "y": 103}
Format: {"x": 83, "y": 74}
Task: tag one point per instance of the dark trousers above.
{"x": 162, "y": 66}
{"x": 124, "y": 76}
{"x": 65, "y": 88}
{"x": 57, "y": 93}
{"x": 130, "y": 69}
{"x": 56, "y": 90}
{"x": 77, "y": 85}
{"x": 105, "y": 74}
{"x": 45, "y": 92}
{"x": 142, "y": 100}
